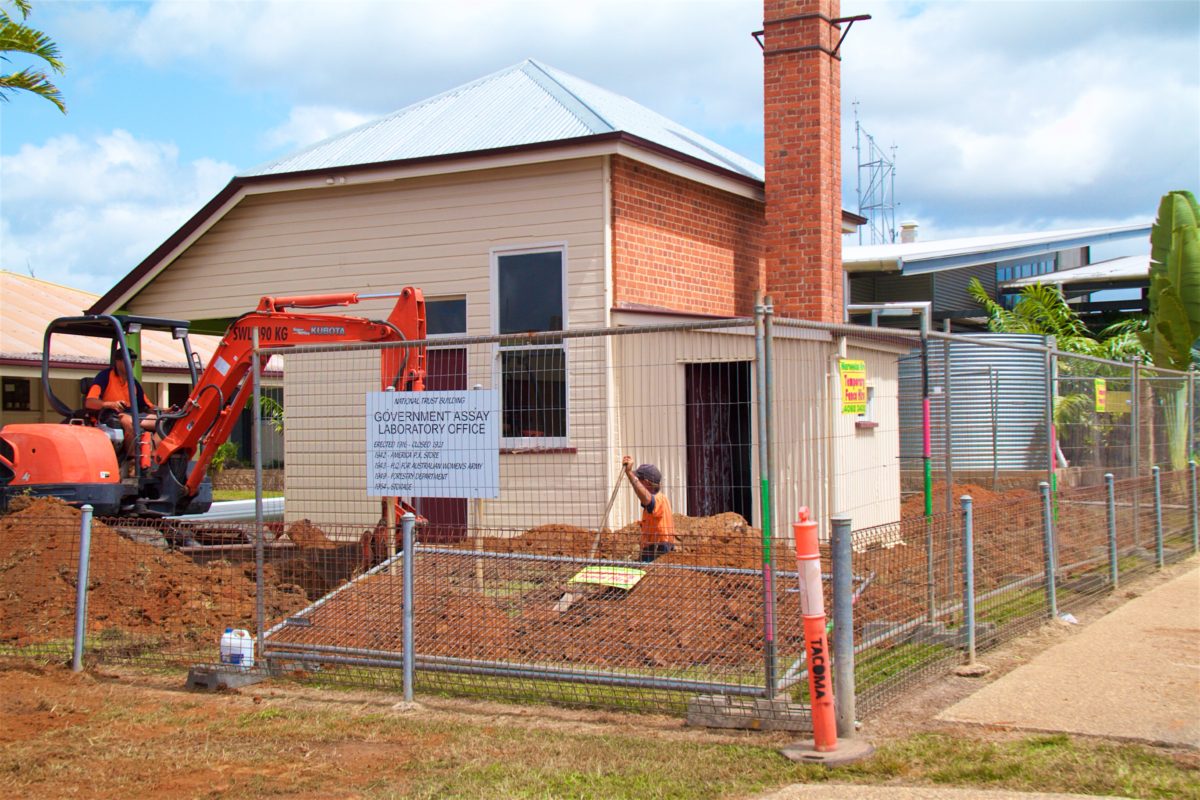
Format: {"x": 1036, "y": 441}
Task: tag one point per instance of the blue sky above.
{"x": 1006, "y": 116}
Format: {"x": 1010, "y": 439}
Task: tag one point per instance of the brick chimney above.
{"x": 802, "y": 131}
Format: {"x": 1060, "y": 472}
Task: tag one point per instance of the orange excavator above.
{"x": 85, "y": 461}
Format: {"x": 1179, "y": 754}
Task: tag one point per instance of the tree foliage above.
{"x": 1174, "y": 322}
{"x": 1043, "y": 310}
{"x": 18, "y": 38}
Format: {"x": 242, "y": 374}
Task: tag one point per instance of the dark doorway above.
{"x": 447, "y": 516}
{"x": 718, "y": 439}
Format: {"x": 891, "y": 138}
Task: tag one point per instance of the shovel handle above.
{"x": 612, "y": 498}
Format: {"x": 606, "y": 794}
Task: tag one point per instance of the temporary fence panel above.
{"x": 1094, "y": 420}
{"x": 513, "y": 522}
{"x": 996, "y": 400}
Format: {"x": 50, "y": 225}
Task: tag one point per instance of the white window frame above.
{"x": 496, "y": 253}
{"x": 466, "y": 318}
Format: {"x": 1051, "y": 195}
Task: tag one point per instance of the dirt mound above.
{"x": 134, "y": 587}
{"x": 915, "y": 505}
{"x": 305, "y": 534}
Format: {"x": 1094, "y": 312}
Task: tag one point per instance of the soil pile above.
{"x": 305, "y": 534}
{"x": 503, "y": 609}
{"x": 134, "y": 587}
{"x": 915, "y": 505}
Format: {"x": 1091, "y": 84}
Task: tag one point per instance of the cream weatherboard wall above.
{"x": 438, "y": 234}
{"x": 434, "y": 233}
{"x": 822, "y": 460}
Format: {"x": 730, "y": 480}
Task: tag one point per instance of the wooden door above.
{"x": 719, "y": 440}
{"x": 447, "y": 516}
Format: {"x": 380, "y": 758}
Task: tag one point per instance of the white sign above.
{"x": 433, "y": 444}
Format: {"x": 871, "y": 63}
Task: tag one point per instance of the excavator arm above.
{"x": 207, "y": 417}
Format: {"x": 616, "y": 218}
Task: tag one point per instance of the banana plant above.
{"x": 1174, "y": 282}
{"x": 1174, "y": 323}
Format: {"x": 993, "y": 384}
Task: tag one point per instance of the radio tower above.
{"x": 877, "y": 199}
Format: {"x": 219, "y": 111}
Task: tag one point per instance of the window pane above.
{"x": 530, "y": 292}
{"x": 16, "y": 394}
{"x": 535, "y": 392}
{"x": 445, "y": 316}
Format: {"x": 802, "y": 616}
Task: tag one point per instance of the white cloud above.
{"x": 1008, "y": 114}
{"x": 694, "y": 61}
{"x": 310, "y": 124}
{"x": 85, "y": 212}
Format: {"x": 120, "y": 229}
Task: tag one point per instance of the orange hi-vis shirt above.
{"x": 658, "y": 524}
{"x": 109, "y": 386}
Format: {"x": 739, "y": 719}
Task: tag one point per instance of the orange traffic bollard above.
{"x": 812, "y": 608}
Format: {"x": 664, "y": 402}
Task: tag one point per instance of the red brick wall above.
{"x": 682, "y": 246}
{"x": 802, "y": 131}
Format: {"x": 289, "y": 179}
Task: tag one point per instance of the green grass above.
{"x": 117, "y": 736}
{"x": 223, "y": 495}
{"x": 1021, "y": 605}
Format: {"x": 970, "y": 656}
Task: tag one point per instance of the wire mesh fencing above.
{"x": 534, "y": 577}
{"x": 1034, "y": 556}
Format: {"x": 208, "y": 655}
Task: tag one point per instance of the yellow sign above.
{"x": 1117, "y": 402}
{"x": 854, "y": 386}
{"x": 1101, "y": 395}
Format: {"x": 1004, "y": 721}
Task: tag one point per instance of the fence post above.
{"x": 969, "y": 576}
{"x": 1190, "y": 406}
{"x": 1134, "y": 444}
{"x": 1194, "y": 505}
{"x": 761, "y": 310}
{"x": 927, "y": 469}
{"x": 843, "y": 625}
{"x": 1051, "y": 367}
{"x": 260, "y": 591}
{"x": 1158, "y": 523}
{"x": 407, "y": 521}
{"x": 1048, "y": 548}
{"x": 946, "y": 419}
{"x": 1114, "y": 572}
{"x": 949, "y": 477}
{"x": 81, "y": 587}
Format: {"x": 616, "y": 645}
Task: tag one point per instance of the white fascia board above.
{"x": 690, "y": 172}
{"x": 874, "y": 265}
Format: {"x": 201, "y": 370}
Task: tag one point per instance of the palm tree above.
{"x": 17, "y": 37}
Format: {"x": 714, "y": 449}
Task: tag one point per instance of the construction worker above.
{"x": 657, "y": 522}
{"x": 110, "y": 392}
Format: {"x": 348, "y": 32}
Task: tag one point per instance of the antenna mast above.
{"x": 877, "y": 200}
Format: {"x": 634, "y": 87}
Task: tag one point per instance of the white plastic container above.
{"x": 237, "y": 648}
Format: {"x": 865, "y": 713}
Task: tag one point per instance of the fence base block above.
{"x": 219, "y": 679}
{"x": 722, "y": 711}
{"x": 848, "y": 751}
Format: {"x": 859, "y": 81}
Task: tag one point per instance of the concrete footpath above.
{"x": 1133, "y": 674}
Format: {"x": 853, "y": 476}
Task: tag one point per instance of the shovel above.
{"x": 624, "y": 578}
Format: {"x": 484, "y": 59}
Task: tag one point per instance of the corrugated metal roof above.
{"x": 528, "y": 103}
{"x": 929, "y": 256}
{"x": 1126, "y": 268}
{"x": 30, "y": 304}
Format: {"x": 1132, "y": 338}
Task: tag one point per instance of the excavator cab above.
{"x": 78, "y": 463}
{"x": 87, "y": 460}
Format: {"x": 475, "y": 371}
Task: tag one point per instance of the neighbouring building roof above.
{"x": 528, "y": 103}
{"x": 933, "y": 256}
{"x": 29, "y": 306}
{"x": 1127, "y": 269}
